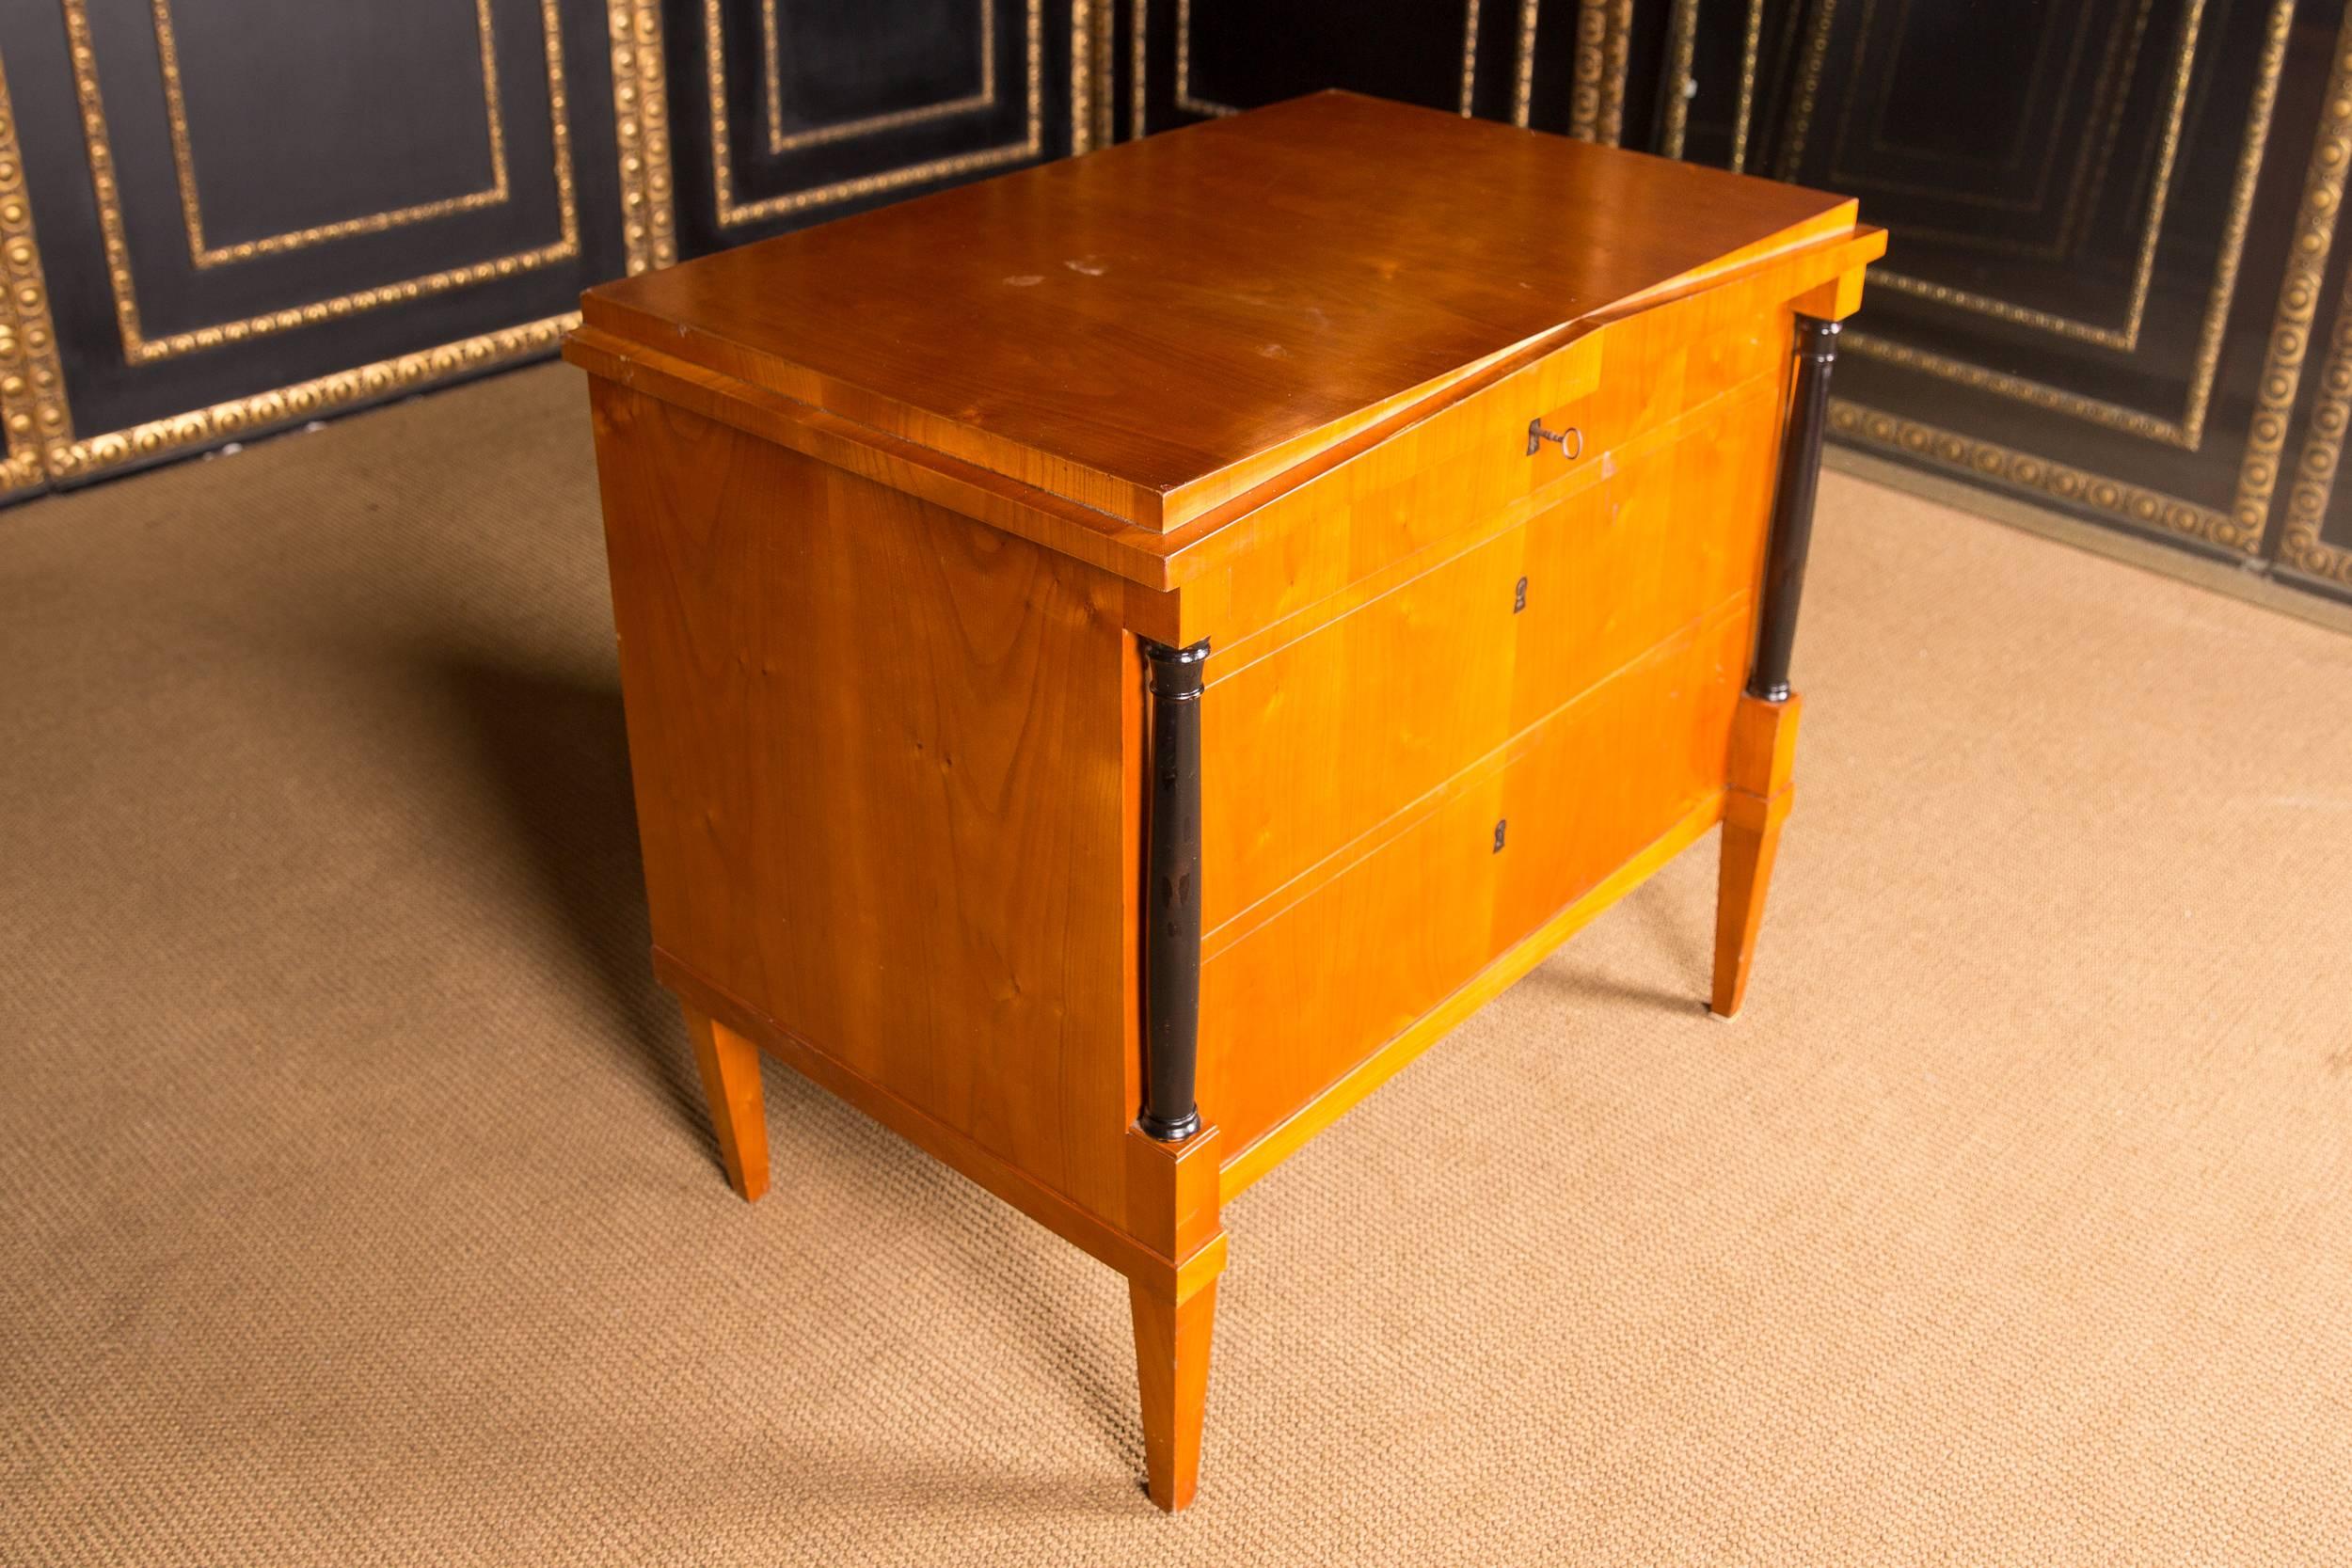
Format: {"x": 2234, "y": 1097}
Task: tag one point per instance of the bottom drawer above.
{"x": 1308, "y": 990}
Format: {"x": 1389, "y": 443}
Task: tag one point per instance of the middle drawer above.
{"x": 1322, "y": 739}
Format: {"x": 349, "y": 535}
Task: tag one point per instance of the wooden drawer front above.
{"x": 1320, "y": 741}
{"x": 1311, "y": 746}
{"x": 1647, "y": 378}
{"x": 1673, "y": 533}
{"x": 1616, "y": 769}
{"x": 1467, "y": 467}
{"x": 1292, "y": 1003}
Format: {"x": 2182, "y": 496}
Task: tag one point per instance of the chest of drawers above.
{"x": 1121, "y": 657}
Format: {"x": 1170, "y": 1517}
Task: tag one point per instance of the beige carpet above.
{"x": 355, "y": 1205}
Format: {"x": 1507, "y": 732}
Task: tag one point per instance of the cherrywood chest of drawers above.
{"x": 1121, "y": 657}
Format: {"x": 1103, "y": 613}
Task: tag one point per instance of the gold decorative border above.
{"x": 1809, "y": 87}
{"x": 778, "y": 141}
{"x": 2301, "y": 545}
{"x": 1592, "y": 39}
{"x": 1615, "y": 56}
{"x": 1988, "y": 461}
{"x": 32, "y": 386}
{"x": 1682, "y": 38}
{"x": 731, "y": 214}
{"x": 1524, "y": 65}
{"x": 1750, "y": 51}
{"x": 1185, "y": 99}
{"x": 41, "y": 446}
{"x": 2112, "y": 87}
{"x": 2036, "y": 76}
{"x": 1083, "y": 65}
{"x": 640, "y": 118}
{"x": 1138, "y": 35}
{"x": 1470, "y": 57}
{"x": 138, "y": 349}
{"x": 2127, "y": 337}
{"x": 2187, "y": 431}
{"x": 183, "y": 162}
{"x": 307, "y": 399}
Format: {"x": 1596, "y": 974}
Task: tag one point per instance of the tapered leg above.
{"x": 730, "y": 1070}
{"x": 1172, "y": 1365}
{"x": 1763, "y": 749}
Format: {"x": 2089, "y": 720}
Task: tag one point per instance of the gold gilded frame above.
{"x": 183, "y": 162}
{"x": 773, "y": 51}
{"x": 2300, "y": 547}
{"x": 2125, "y": 337}
{"x": 731, "y": 214}
{"x": 2241, "y": 528}
{"x": 2187, "y": 430}
{"x": 138, "y": 349}
{"x": 42, "y": 446}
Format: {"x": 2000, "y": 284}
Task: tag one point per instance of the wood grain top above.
{"x": 1151, "y": 329}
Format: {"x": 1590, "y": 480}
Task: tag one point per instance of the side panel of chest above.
{"x": 877, "y": 750}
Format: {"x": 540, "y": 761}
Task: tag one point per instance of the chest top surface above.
{"x": 1150, "y": 328}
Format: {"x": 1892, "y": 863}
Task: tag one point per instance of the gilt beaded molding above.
{"x": 42, "y": 446}
{"x": 32, "y": 384}
{"x": 139, "y": 349}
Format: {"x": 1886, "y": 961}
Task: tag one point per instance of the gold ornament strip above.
{"x": 2315, "y": 220}
{"x": 2113, "y": 87}
{"x": 1524, "y": 65}
{"x": 1592, "y": 39}
{"x": 779, "y": 140}
{"x": 732, "y": 213}
{"x": 2125, "y": 337}
{"x": 32, "y": 384}
{"x": 1683, "y": 37}
{"x": 1184, "y": 98}
{"x": 184, "y": 164}
{"x": 640, "y": 118}
{"x": 307, "y": 399}
{"x": 1615, "y": 56}
{"x": 2300, "y": 547}
{"x": 138, "y": 349}
{"x": 2057, "y": 400}
{"x": 1082, "y": 65}
{"x": 1989, "y": 462}
{"x": 1751, "y": 50}
{"x": 2239, "y": 531}
{"x": 1469, "y": 55}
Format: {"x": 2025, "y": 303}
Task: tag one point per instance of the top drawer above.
{"x": 1648, "y": 379}
{"x": 1470, "y": 467}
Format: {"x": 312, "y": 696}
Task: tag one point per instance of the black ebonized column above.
{"x": 1172, "y": 901}
{"x": 1792, "y": 509}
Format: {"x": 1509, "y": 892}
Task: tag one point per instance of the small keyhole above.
{"x": 1518, "y": 598}
{"x": 1501, "y": 824}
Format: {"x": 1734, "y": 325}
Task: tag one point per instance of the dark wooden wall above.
{"x": 2113, "y": 285}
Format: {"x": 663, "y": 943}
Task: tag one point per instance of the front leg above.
{"x": 1172, "y": 1336}
{"x": 1756, "y": 793}
{"x": 1763, "y": 748}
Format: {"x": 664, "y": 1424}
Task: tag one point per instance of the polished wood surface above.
{"x": 1755, "y": 804}
{"x": 877, "y": 760}
{"x": 729, "y": 1065}
{"x": 1172, "y": 1368}
{"x": 1150, "y": 330}
{"x": 889, "y": 537}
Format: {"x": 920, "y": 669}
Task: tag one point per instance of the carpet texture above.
{"x": 357, "y": 1204}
